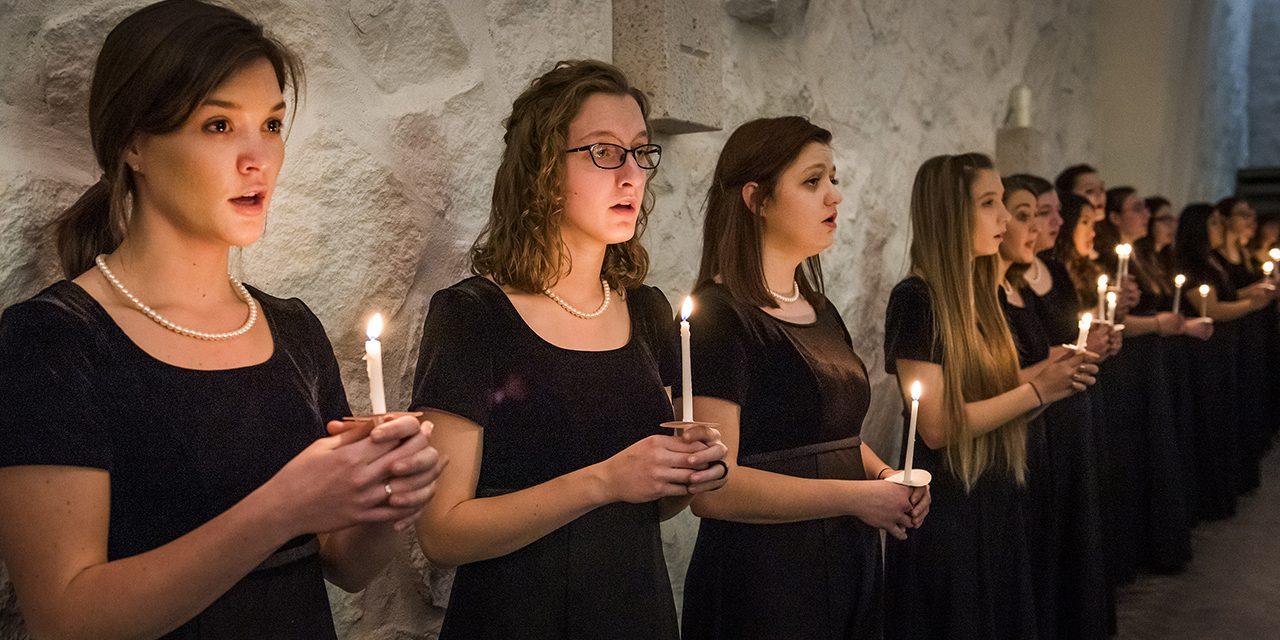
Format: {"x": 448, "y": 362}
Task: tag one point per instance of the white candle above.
{"x": 1020, "y": 106}
{"x": 686, "y": 367}
{"x": 1111, "y": 306}
{"x": 1178, "y": 281}
{"x": 911, "y": 431}
{"x": 1102, "y": 296}
{"x": 1122, "y": 269}
{"x": 1268, "y": 268}
{"x": 1204, "y": 301}
{"x": 373, "y": 364}
{"x": 1086, "y": 321}
{"x": 1274, "y": 254}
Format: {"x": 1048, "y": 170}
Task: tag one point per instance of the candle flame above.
{"x": 1102, "y": 281}
{"x": 915, "y": 390}
{"x": 1123, "y": 250}
{"x": 1111, "y": 297}
{"x": 686, "y": 309}
{"x": 1086, "y": 321}
{"x": 1179, "y": 280}
{"x": 374, "y": 329}
{"x": 1268, "y": 267}
{"x": 1274, "y": 254}
{"x": 1204, "y": 290}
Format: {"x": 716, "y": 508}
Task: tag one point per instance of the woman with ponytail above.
{"x": 967, "y": 573}
{"x": 164, "y": 465}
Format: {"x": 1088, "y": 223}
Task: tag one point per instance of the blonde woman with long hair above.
{"x": 966, "y": 574}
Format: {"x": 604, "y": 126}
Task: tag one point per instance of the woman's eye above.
{"x": 835, "y": 180}
{"x": 274, "y": 125}
{"x": 217, "y": 126}
{"x": 812, "y": 181}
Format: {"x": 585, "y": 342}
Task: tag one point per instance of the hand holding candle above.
{"x": 1178, "y": 281}
{"x": 373, "y": 365}
{"x": 686, "y": 366}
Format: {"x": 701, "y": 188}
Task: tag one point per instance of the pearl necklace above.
{"x": 604, "y": 284}
{"x": 795, "y": 293}
{"x": 241, "y": 291}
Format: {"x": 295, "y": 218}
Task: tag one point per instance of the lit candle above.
{"x": 686, "y": 367}
{"x": 373, "y": 364}
{"x": 1178, "y": 281}
{"x": 1122, "y": 269}
{"x": 1111, "y": 307}
{"x": 1204, "y": 301}
{"x": 1274, "y": 254}
{"x": 911, "y": 431}
{"x": 1102, "y": 296}
{"x": 1268, "y": 268}
{"x": 1086, "y": 321}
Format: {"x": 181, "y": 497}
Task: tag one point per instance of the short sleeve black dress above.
{"x": 803, "y": 394}
{"x": 965, "y": 574}
{"x": 547, "y": 411}
{"x": 180, "y": 445}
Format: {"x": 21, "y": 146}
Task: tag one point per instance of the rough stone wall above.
{"x": 391, "y": 157}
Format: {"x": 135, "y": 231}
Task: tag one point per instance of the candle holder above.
{"x": 678, "y": 426}
{"x": 364, "y": 424}
{"x": 919, "y": 478}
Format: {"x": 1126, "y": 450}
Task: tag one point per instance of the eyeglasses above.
{"x": 612, "y": 156}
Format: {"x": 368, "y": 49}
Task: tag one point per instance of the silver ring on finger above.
{"x": 387, "y": 487}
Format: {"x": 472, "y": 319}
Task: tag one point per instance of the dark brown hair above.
{"x": 154, "y": 69}
{"x": 757, "y": 151}
{"x": 521, "y": 246}
{"x": 1013, "y": 184}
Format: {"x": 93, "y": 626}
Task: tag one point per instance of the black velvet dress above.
{"x": 1085, "y": 604}
{"x": 1044, "y": 522}
{"x": 1220, "y": 465}
{"x": 180, "y": 446}
{"x": 547, "y": 411}
{"x": 1144, "y": 497}
{"x": 803, "y": 394}
{"x": 1254, "y": 376}
{"x": 966, "y": 573}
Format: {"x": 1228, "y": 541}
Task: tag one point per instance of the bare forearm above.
{"x": 1222, "y": 311}
{"x": 755, "y": 496}
{"x": 150, "y": 594}
{"x": 1140, "y": 326}
{"x": 990, "y": 414}
{"x": 483, "y": 528}
{"x": 669, "y": 508}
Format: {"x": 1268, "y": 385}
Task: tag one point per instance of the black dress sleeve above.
{"x": 662, "y": 330}
{"x": 331, "y": 395}
{"x": 719, "y": 353}
{"x": 455, "y": 361}
{"x": 908, "y": 326}
{"x": 49, "y": 407}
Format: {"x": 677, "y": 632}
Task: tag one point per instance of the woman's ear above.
{"x": 749, "y": 196}
{"x": 133, "y": 157}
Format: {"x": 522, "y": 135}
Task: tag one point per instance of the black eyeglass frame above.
{"x": 625, "y": 152}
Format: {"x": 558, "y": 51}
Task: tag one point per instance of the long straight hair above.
{"x": 154, "y": 69}
{"x": 979, "y": 357}
{"x": 758, "y": 151}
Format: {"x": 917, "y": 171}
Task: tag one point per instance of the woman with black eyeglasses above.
{"x": 545, "y": 375}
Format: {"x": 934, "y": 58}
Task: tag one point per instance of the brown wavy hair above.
{"x": 154, "y": 69}
{"x": 520, "y": 246}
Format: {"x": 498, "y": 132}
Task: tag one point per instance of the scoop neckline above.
{"x": 817, "y": 314}
{"x": 519, "y": 320}
{"x": 115, "y": 329}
